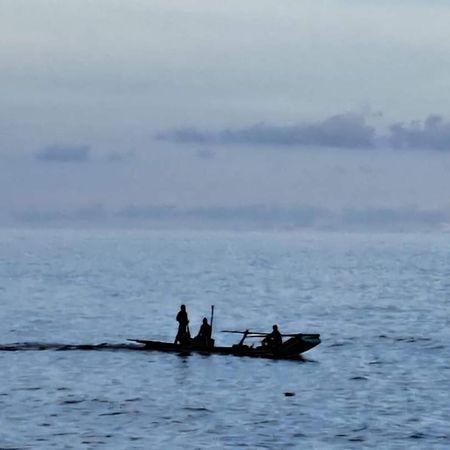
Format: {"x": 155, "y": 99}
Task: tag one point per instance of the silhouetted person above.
{"x": 204, "y": 334}
{"x": 183, "y": 330}
{"x": 273, "y": 340}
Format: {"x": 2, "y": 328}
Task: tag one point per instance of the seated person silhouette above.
{"x": 273, "y": 340}
{"x": 204, "y": 334}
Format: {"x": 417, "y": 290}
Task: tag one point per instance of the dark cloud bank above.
{"x": 351, "y": 131}
{"x": 64, "y": 153}
{"x": 245, "y": 217}
{"x": 78, "y": 154}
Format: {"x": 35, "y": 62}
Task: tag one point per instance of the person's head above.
{"x": 205, "y": 320}
{"x": 275, "y": 328}
{"x": 183, "y": 307}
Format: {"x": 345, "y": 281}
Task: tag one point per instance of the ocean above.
{"x": 379, "y": 379}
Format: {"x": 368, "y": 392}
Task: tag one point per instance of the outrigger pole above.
{"x": 247, "y": 333}
{"x": 260, "y": 334}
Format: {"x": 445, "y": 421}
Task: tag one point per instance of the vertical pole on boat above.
{"x": 212, "y": 318}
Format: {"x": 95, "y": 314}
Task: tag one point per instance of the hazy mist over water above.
{"x": 380, "y": 378}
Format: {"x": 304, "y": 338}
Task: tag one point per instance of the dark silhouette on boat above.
{"x": 204, "y": 334}
{"x": 183, "y": 334}
{"x": 272, "y": 346}
{"x": 297, "y": 344}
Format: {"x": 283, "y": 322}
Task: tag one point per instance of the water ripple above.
{"x": 380, "y": 378}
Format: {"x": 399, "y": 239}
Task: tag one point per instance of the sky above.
{"x": 324, "y": 113}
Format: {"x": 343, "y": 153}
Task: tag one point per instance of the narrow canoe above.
{"x": 290, "y": 349}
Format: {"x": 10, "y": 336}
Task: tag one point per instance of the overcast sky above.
{"x": 112, "y": 108}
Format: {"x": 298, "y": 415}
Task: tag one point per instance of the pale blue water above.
{"x": 380, "y": 379}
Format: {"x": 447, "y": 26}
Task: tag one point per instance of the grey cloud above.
{"x": 150, "y": 212}
{"x": 118, "y": 157}
{"x": 350, "y": 131}
{"x": 262, "y": 215}
{"x": 393, "y": 218}
{"x": 433, "y": 133}
{"x": 94, "y": 213}
{"x": 343, "y": 130}
{"x": 205, "y": 154}
{"x": 256, "y": 216}
{"x": 64, "y": 153}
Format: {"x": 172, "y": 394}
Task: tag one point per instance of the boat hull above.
{"x": 291, "y": 349}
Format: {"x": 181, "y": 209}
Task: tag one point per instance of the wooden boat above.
{"x": 292, "y": 348}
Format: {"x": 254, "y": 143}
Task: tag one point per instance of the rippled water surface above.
{"x": 380, "y": 378}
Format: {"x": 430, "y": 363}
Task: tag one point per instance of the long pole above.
{"x": 212, "y": 318}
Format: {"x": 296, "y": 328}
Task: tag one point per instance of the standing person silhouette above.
{"x": 182, "y": 336}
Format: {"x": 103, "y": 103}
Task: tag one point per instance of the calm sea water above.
{"x": 380, "y": 378}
